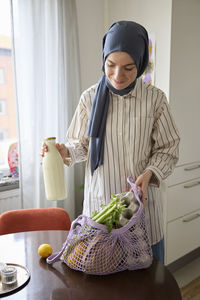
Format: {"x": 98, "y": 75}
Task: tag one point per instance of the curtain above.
{"x": 47, "y": 80}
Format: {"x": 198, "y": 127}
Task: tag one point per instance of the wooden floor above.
{"x": 188, "y": 273}
{"x": 192, "y": 290}
{"x": 188, "y": 279}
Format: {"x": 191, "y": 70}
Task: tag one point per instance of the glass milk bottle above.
{"x": 53, "y": 171}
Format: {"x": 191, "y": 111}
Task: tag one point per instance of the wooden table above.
{"x": 57, "y": 281}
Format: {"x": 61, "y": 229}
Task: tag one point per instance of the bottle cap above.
{"x": 50, "y": 138}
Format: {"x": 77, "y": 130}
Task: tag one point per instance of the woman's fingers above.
{"x": 64, "y": 152}
{"x": 144, "y": 199}
{"x": 142, "y": 183}
{"x": 43, "y": 149}
{"x": 58, "y": 146}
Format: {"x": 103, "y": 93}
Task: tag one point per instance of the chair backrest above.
{"x": 34, "y": 219}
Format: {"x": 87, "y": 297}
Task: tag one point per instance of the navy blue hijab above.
{"x": 125, "y": 36}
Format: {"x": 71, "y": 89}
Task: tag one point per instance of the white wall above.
{"x": 155, "y": 16}
{"x": 90, "y": 14}
{"x": 96, "y": 16}
{"x": 185, "y": 76}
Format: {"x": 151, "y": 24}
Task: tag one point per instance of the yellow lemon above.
{"x": 45, "y": 250}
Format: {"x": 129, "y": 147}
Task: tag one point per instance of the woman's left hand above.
{"x": 142, "y": 183}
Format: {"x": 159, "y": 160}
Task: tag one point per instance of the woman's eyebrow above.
{"x": 130, "y": 64}
{"x": 110, "y": 61}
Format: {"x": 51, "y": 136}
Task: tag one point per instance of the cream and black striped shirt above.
{"x": 140, "y": 134}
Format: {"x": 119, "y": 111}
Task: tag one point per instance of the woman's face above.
{"x": 120, "y": 69}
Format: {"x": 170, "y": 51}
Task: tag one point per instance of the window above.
{"x": 3, "y": 137}
{"x": 3, "y": 134}
{"x": 2, "y": 106}
{"x": 8, "y": 124}
{"x": 1, "y": 76}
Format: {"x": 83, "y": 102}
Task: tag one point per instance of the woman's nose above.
{"x": 118, "y": 73}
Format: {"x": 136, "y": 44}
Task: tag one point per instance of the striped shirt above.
{"x": 140, "y": 135}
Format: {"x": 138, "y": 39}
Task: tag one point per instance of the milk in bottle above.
{"x": 53, "y": 171}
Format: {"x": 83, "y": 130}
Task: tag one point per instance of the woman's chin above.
{"x": 119, "y": 86}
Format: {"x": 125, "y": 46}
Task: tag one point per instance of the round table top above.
{"x": 58, "y": 281}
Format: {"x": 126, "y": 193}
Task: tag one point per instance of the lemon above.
{"x": 45, "y": 250}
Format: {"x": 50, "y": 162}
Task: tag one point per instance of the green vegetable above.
{"x": 110, "y": 214}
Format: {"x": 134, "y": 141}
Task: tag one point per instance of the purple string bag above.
{"x": 90, "y": 248}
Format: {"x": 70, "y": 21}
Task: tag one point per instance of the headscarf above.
{"x": 125, "y": 36}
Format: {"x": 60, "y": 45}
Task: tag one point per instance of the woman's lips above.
{"x": 118, "y": 82}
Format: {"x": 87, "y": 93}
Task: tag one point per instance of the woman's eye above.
{"x": 130, "y": 69}
{"x": 127, "y": 69}
{"x": 110, "y": 66}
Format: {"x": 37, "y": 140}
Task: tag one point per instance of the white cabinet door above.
{"x": 183, "y": 199}
{"x": 182, "y": 236}
{"x": 184, "y": 173}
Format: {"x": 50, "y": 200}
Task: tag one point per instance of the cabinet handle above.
{"x": 191, "y": 218}
{"x": 192, "y": 167}
{"x": 189, "y": 185}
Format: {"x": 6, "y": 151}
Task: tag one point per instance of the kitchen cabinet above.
{"x": 182, "y": 214}
{"x": 183, "y": 211}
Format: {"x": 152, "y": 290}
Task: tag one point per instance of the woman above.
{"x": 123, "y": 127}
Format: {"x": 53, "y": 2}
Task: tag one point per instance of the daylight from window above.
{"x": 8, "y": 125}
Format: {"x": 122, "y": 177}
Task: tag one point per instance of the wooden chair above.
{"x": 34, "y": 219}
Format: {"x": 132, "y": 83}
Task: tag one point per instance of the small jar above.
{"x": 2, "y": 266}
{"x": 9, "y": 275}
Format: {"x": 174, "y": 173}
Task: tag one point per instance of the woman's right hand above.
{"x": 63, "y": 150}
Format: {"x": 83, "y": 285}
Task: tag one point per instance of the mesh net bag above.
{"x": 90, "y": 248}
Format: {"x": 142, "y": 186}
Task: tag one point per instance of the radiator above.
{"x": 10, "y": 200}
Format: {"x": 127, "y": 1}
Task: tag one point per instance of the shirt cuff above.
{"x": 156, "y": 177}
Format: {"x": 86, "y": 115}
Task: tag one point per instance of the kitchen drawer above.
{"x": 184, "y": 173}
{"x": 183, "y": 199}
{"x": 182, "y": 236}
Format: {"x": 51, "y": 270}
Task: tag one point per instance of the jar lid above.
{"x": 50, "y": 138}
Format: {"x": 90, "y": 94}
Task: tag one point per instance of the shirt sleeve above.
{"x": 77, "y": 139}
{"x": 165, "y": 144}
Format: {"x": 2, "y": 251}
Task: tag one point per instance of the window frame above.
{"x": 2, "y": 75}
{"x": 3, "y": 104}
